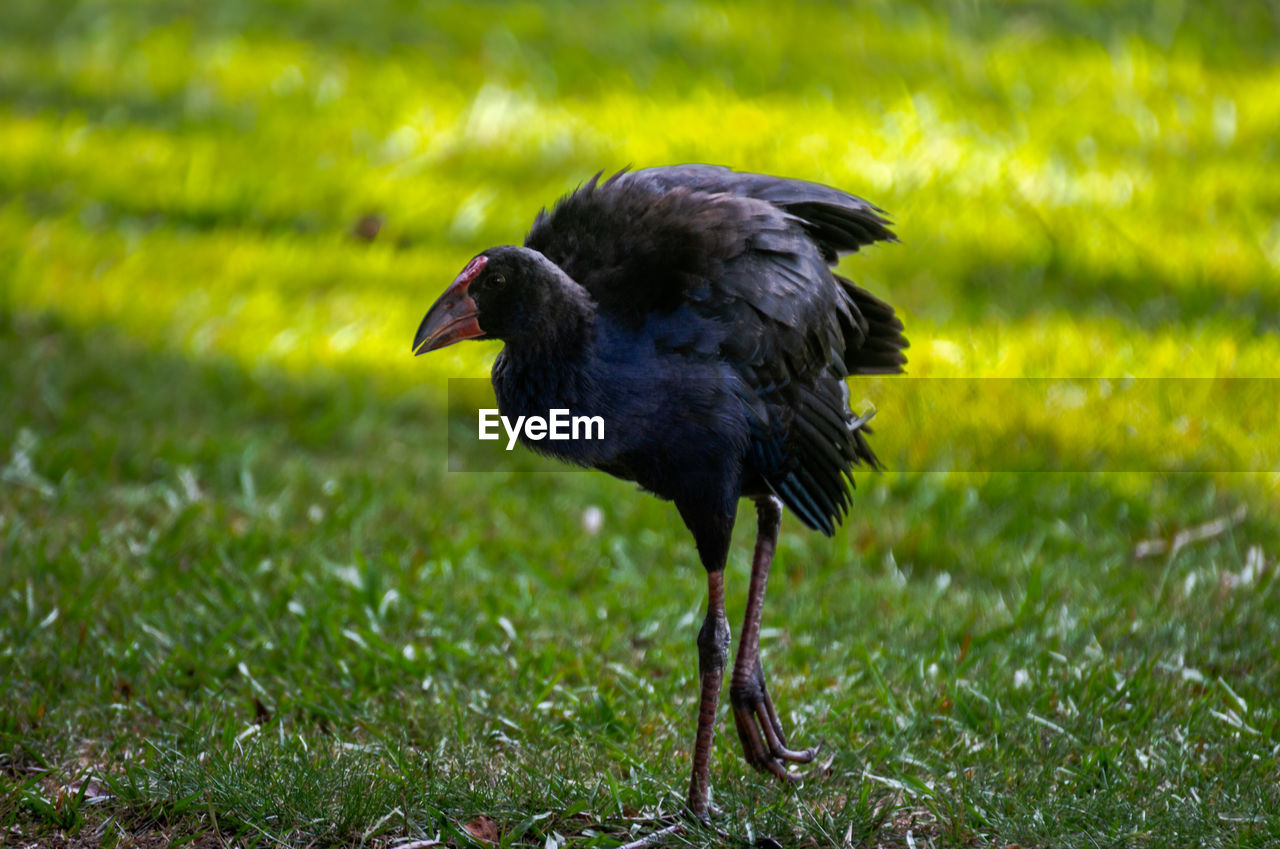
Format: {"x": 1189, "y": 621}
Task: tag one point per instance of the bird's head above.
{"x": 503, "y": 293}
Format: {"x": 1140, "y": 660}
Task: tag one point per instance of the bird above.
{"x": 695, "y": 309}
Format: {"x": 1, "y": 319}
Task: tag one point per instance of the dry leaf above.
{"x": 483, "y": 829}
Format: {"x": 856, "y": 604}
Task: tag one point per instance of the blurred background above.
{"x": 1080, "y": 187}
{"x": 223, "y": 497}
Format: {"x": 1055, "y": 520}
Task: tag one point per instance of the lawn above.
{"x": 243, "y": 600}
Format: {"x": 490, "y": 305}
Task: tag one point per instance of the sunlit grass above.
{"x": 233, "y": 563}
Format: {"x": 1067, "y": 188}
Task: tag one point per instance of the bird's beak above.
{"x": 454, "y": 317}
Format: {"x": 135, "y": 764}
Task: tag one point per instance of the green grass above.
{"x": 242, "y": 601}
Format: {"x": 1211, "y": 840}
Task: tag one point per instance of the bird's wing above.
{"x": 706, "y": 241}
{"x": 838, "y": 221}
{"x": 711, "y": 271}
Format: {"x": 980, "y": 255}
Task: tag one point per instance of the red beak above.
{"x": 453, "y": 317}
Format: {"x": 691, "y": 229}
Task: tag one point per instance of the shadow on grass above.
{"x": 1234, "y": 35}
{"x": 118, "y": 408}
{"x": 976, "y": 286}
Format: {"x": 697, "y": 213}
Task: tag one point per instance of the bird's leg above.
{"x": 712, "y": 530}
{"x": 763, "y": 742}
{"x": 713, "y": 652}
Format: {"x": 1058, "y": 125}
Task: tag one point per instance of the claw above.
{"x": 795, "y": 776}
{"x": 763, "y": 744}
{"x": 778, "y": 747}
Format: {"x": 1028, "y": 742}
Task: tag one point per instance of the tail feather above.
{"x": 883, "y": 342}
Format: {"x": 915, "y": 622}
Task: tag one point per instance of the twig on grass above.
{"x": 1199, "y": 533}
{"x": 655, "y": 838}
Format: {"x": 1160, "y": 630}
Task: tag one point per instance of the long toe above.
{"x": 762, "y": 746}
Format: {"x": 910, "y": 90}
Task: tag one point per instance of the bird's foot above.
{"x": 763, "y": 742}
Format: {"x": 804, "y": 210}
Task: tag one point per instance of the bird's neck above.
{"x": 551, "y": 367}
{"x": 563, "y": 329}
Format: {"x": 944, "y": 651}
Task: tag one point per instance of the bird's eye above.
{"x": 497, "y": 281}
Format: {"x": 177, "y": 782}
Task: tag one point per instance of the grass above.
{"x": 242, "y": 601}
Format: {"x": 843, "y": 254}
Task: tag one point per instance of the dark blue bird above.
{"x": 693, "y": 309}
